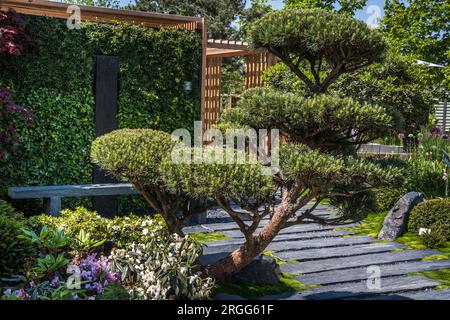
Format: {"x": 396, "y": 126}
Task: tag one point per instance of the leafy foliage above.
{"x": 14, "y": 251}
{"x": 398, "y": 83}
{"x": 430, "y": 215}
{"x": 163, "y": 268}
{"x": 313, "y": 39}
{"x": 386, "y": 198}
{"x": 420, "y": 27}
{"x": 436, "y": 238}
{"x": 55, "y": 81}
{"x": 341, "y": 6}
{"x": 72, "y": 264}
{"x": 321, "y": 122}
{"x": 7, "y": 209}
{"x": 135, "y": 155}
{"x": 220, "y": 13}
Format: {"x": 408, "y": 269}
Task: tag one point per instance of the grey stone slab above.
{"x": 313, "y": 233}
{"x": 107, "y": 189}
{"x": 287, "y": 237}
{"x": 346, "y": 251}
{"x": 231, "y": 228}
{"x": 360, "y": 273}
{"x": 356, "y": 261}
{"x": 429, "y": 294}
{"x": 360, "y": 290}
{"x": 298, "y": 245}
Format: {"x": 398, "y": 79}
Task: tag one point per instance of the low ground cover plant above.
{"x": 127, "y": 257}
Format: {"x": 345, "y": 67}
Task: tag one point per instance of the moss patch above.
{"x": 436, "y": 257}
{"x": 208, "y": 237}
{"x": 412, "y": 240}
{"x": 252, "y": 291}
{"x": 277, "y": 259}
{"x": 371, "y": 225}
{"x": 443, "y": 276}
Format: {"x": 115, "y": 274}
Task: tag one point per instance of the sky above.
{"x": 372, "y": 11}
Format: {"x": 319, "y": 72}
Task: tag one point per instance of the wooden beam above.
{"x": 223, "y": 53}
{"x": 101, "y": 15}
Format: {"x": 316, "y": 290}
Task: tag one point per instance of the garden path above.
{"x": 337, "y": 261}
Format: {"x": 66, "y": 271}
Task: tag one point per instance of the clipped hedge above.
{"x": 54, "y": 78}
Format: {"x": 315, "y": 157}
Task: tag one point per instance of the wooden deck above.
{"x": 339, "y": 263}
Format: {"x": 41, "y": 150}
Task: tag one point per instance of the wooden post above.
{"x": 105, "y": 90}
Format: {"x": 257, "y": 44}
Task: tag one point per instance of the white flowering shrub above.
{"x": 162, "y": 268}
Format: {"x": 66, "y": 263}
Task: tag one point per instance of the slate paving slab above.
{"x": 429, "y": 294}
{"x": 288, "y": 237}
{"x": 337, "y": 263}
{"x": 360, "y": 273}
{"x": 297, "y": 245}
{"x": 356, "y": 261}
{"x": 359, "y": 290}
{"x": 334, "y": 252}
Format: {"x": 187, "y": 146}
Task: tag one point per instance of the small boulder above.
{"x": 394, "y": 224}
{"x": 263, "y": 269}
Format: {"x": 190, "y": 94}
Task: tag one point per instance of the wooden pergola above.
{"x": 102, "y": 15}
{"x": 256, "y": 62}
{"x": 213, "y": 51}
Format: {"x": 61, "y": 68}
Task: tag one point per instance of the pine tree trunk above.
{"x": 241, "y": 257}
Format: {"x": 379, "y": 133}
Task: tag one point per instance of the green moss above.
{"x": 277, "y": 259}
{"x": 250, "y": 290}
{"x": 436, "y": 257}
{"x": 208, "y": 237}
{"x": 443, "y": 276}
{"x": 371, "y": 225}
{"x": 412, "y": 240}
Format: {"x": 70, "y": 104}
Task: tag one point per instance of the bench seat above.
{"x": 52, "y": 194}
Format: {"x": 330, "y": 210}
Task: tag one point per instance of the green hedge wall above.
{"x": 54, "y": 78}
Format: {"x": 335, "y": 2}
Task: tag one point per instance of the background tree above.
{"x": 420, "y": 28}
{"x": 220, "y": 13}
{"x": 256, "y": 10}
{"x": 97, "y": 3}
{"x": 341, "y": 6}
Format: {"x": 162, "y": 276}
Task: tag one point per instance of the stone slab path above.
{"x": 338, "y": 262}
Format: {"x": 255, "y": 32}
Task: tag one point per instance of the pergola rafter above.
{"x": 102, "y": 15}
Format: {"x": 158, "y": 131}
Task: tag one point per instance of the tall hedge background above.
{"x": 54, "y": 78}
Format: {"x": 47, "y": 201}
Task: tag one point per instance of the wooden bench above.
{"x": 52, "y": 194}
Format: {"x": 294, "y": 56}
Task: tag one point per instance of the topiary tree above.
{"x": 137, "y": 156}
{"x": 318, "y": 160}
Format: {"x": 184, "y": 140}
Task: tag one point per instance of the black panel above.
{"x": 105, "y": 90}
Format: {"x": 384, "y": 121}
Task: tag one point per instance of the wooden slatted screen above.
{"x": 256, "y": 64}
{"x": 213, "y": 105}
